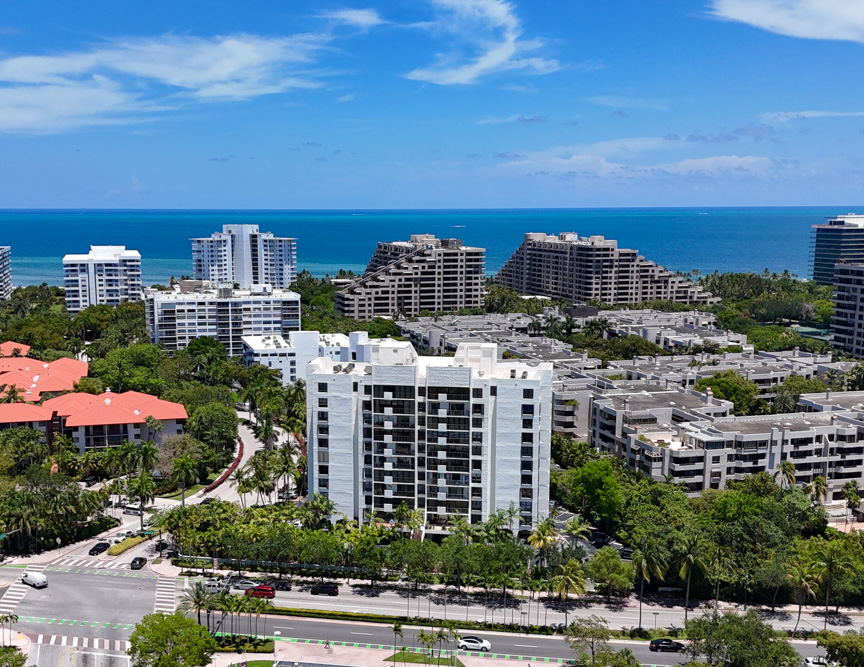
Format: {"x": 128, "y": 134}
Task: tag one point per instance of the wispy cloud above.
{"x": 619, "y": 102}
{"x": 487, "y": 39}
{"x": 517, "y": 118}
{"x": 127, "y": 80}
{"x": 812, "y": 19}
{"x": 711, "y": 138}
{"x": 346, "y": 98}
{"x": 359, "y": 18}
{"x": 786, "y": 116}
{"x": 226, "y": 158}
{"x": 8, "y": 30}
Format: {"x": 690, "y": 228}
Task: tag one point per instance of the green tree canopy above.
{"x": 730, "y": 386}
{"x": 161, "y": 640}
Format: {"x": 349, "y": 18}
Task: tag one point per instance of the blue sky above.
{"x": 430, "y": 103}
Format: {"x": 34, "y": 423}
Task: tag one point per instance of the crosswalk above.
{"x": 84, "y": 642}
{"x": 16, "y": 592}
{"x": 166, "y": 595}
{"x": 89, "y": 563}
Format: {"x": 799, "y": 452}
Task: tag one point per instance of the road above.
{"x": 456, "y": 606}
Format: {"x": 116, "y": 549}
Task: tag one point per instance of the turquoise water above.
{"x": 725, "y": 239}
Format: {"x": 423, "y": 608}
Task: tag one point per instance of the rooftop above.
{"x": 104, "y": 253}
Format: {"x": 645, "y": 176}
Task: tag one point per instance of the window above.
{"x": 715, "y": 459}
{"x": 527, "y": 438}
{"x": 477, "y": 437}
{"x": 528, "y": 423}
{"x": 322, "y": 387}
{"x": 322, "y": 417}
{"x": 477, "y": 409}
{"x": 367, "y": 389}
{"x": 527, "y": 394}
{"x": 527, "y": 410}
{"x": 527, "y": 480}
{"x": 323, "y": 457}
{"x": 477, "y": 393}
{"x": 323, "y": 443}
{"x": 493, "y": 391}
{"x": 527, "y": 466}
{"x": 323, "y": 429}
{"x": 323, "y": 470}
{"x": 322, "y": 402}
{"x": 355, "y": 387}
{"x": 477, "y": 422}
{"x": 527, "y": 452}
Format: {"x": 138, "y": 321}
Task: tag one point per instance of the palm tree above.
{"x": 833, "y": 562}
{"x": 259, "y": 606}
{"x": 853, "y": 498}
{"x": 397, "y": 632}
{"x": 786, "y": 472}
{"x": 147, "y": 455}
{"x": 691, "y": 548}
{"x": 142, "y": 489}
{"x": 803, "y": 579}
{"x": 819, "y": 488}
{"x": 720, "y": 566}
{"x": 184, "y": 472}
{"x": 570, "y": 579}
{"x": 128, "y": 457}
{"x": 577, "y": 528}
{"x": 650, "y": 563}
{"x": 241, "y": 481}
{"x": 784, "y": 401}
{"x": 544, "y": 537}
{"x": 195, "y": 599}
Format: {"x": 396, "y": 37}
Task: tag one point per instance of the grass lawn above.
{"x": 175, "y": 495}
{"x": 421, "y": 659}
{"x": 259, "y": 663}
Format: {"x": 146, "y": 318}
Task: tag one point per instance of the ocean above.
{"x": 708, "y": 239}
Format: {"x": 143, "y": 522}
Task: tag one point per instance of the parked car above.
{"x": 325, "y": 589}
{"x": 472, "y": 643}
{"x": 244, "y": 584}
{"x": 665, "y": 646}
{"x": 261, "y": 592}
{"x": 90, "y": 481}
{"x": 207, "y": 501}
{"x": 138, "y": 563}
{"x": 35, "y": 579}
{"x": 133, "y": 510}
{"x": 98, "y": 548}
{"x": 819, "y": 660}
{"x": 160, "y": 544}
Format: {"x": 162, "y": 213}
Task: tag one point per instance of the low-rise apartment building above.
{"x": 452, "y": 436}
{"x": 107, "y": 275}
{"x": 194, "y": 308}
{"x": 410, "y": 277}
{"x": 673, "y": 331}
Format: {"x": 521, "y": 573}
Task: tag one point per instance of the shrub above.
{"x": 125, "y": 545}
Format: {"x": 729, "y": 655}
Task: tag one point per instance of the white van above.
{"x": 215, "y": 586}
{"x": 134, "y": 510}
{"x": 35, "y": 579}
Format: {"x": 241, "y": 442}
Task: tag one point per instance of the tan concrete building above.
{"x": 409, "y": 277}
{"x": 581, "y": 269}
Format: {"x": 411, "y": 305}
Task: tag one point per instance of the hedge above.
{"x": 225, "y": 475}
{"x": 125, "y": 545}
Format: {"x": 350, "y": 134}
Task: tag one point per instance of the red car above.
{"x": 261, "y": 592}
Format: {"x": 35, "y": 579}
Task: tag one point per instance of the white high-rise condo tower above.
{"x": 107, "y": 275}
{"x": 242, "y": 255}
{"x": 5, "y": 272}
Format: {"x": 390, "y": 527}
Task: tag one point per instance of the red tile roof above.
{"x": 130, "y": 407}
{"x": 17, "y": 413}
{"x": 8, "y": 348}
{"x": 34, "y": 378}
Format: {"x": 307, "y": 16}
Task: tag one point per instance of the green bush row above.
{"x": 243, "y": 643}
{"x": 125, "y": 545}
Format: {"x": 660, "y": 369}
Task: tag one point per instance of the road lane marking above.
{"x": 525, "y": 645}
{"x": 367, "y": 634}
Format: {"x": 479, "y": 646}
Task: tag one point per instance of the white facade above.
{"x": 107, "y": 275}
{"x": 291, "y": 354}
{"x": 465, "y": 435}
{"x": 243, "y": 255}
{"x": 178, "y": 316}
{"x": 5, "y": 272}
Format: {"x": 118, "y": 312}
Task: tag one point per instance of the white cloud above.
{"x": 812, "y": 19}
{"x": 123, "y": 80}
{"x": 346, "y": 98}
{"x": 786, "y": 116}
{"x": 360, "y": 18}
{"x": 489, "y": 40}
{"x": 619, "y": 102}
{"x": 516, "y": 118}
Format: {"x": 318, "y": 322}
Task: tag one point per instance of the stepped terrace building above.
{"x": 243, "y": 255}
{"x": 582, "y": 269}
{"x": 451, "y": 436}
{"x": 107, "y": 275}
{"x": 410, "y": 277}
{"x": 194, "y": 308}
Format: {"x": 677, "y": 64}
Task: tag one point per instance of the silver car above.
{"x": 244, "y": 585}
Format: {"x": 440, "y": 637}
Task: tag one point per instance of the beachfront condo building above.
{"x": 5, "y": 272}
{"x": 107, "y": 275}
{"x": 841, "y": 239}
{"x": 424, "y": 274}
{"x": 195, "y": 308}
{"x": 583, "y": 269}
{"x": 243, "y": 256}
{"x": 847, "y": 325}
{"x": 460, "y": 436}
